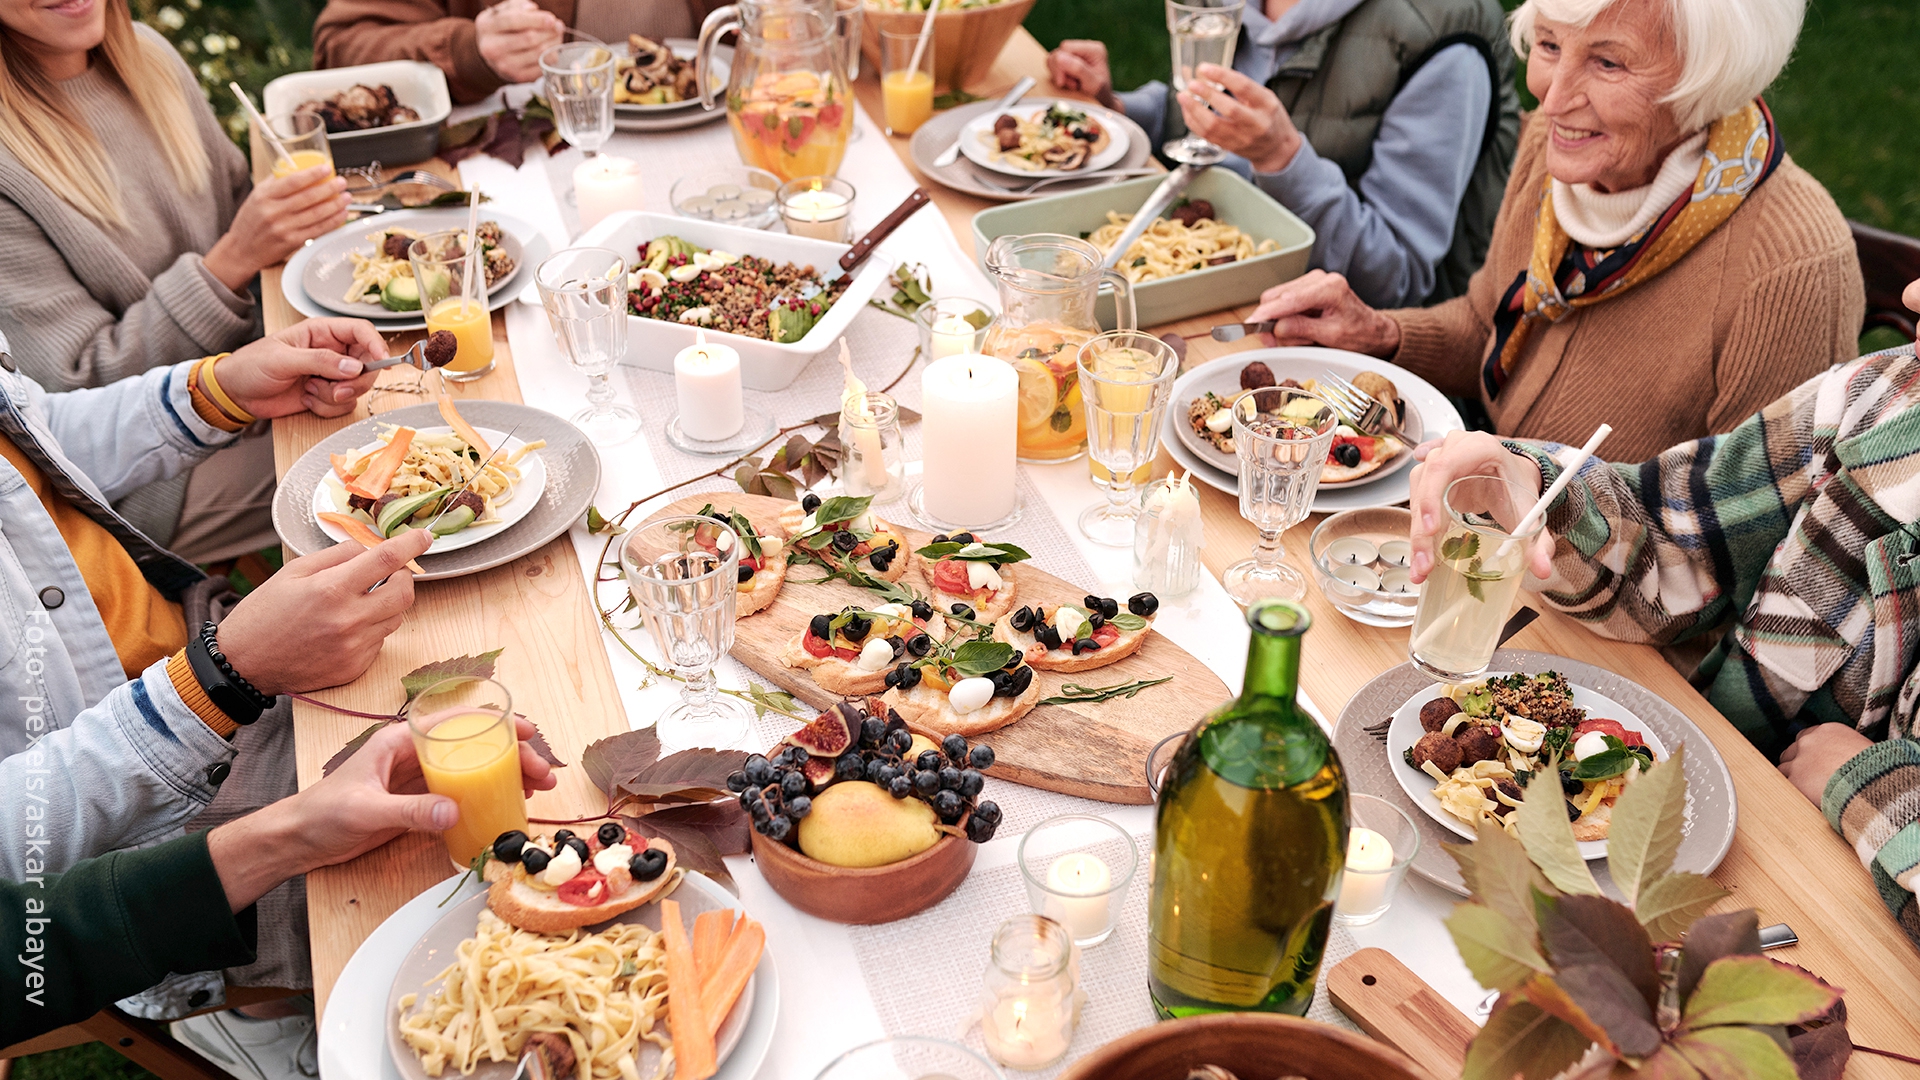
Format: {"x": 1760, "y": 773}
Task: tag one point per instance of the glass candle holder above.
{"x": 1030, "y": 1003}
{"x": 1381, "y": 843}
{"x": 1168, "y": 536}
{"x": 873, "y": 459}
{"x": 1077, "y": 868}
{"x": 910, "y": 1058}
{"x": 820, "y": 207}
{"x": 464, "y": 734}
{"x": 952, "y": 325}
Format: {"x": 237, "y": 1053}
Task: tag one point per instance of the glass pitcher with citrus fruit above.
{"x": 1048, "y": 284}
{"x": 788, "y": 100}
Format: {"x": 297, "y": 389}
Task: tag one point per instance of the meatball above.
{"x": 1439, "y": 749}
{"x": 1434, "y": 714}
{"x": 1255, "y": 376}
{"x": 1511, "y": 789}
{"x": 1477, "y": 744}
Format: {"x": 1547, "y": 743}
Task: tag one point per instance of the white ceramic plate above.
{"x": 1388, "y": 487}
{"x": 977, "y": 140}
{"x": 1406, "y": 730}
{"x": 684, "y": 48}
{"x": 1222, "y": 379}
{"x": 335, "y": 270}
{"x": 526, "y": 495}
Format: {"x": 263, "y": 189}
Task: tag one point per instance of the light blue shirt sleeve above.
{"x": 1388, "y": 237}
{"x": 1147, "y": 107}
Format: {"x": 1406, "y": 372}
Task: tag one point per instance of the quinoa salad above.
{"x": 677, "y": 281}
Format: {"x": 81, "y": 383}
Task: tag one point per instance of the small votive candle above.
{"x": 951, "y": 325}
{"x": 870, "y": 439}
{"x": 820, "y": 207}
{"x": 1396, "y": 553}
{"x": 1360, "y": 577}
{"x": 1077, "y": 885}
{"x": 1382, "y": 842}
{"x": 1351, "y": 551}
{"x": 1398, "y": 579}
{"x": 1031, "y": 998}
{"x": 604, "y": 185}
{"x": 706, "y": 380}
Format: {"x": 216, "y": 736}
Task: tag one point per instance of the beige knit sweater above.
{"x": 1770, "y": 299}
{"x": 83, "y": 305}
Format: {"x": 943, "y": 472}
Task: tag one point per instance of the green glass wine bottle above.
{"x": 1249, "y": 844}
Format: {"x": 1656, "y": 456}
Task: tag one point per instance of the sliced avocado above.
{"x": 788, "y": 325}
{"x": 398, "y": 512}
{"x": 401, "y": 294}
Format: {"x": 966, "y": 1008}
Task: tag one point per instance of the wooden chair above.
{"x": 1888, "y": 261}
{"x": 144, "y": 1042}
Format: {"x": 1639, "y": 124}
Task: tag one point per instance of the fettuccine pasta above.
{"x": 437, "y": 461}
{"x": 604, "y": 992}
{"x": 1169, "y": 247}
{"x": 371, "y": 272}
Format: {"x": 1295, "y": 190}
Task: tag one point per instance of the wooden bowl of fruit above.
{"x": 1244, "y": 1046}
{"x": 856, "y": 820}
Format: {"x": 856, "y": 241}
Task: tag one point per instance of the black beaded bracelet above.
{"x": 232, "y": 693}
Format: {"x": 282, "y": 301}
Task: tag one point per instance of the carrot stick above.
{"x": 379, "y": 473}
{"x": 358, "y": 530}
{"x": 460, "y": 426}
{"x": 710, "y": 931}
{"x": 729, "y": 978}
{"x": 693, "y": 1052}
{"x": 346, "y": 468}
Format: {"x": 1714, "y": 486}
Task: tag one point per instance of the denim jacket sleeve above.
{"x": 127, "y": 772}
{"x": 128, "y": 433}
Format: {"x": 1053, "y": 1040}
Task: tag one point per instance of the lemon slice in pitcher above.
{"x": 1038, "y": 395}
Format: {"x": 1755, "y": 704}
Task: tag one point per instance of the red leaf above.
{"x": 691, "y": 847}
{"x": 1712, "y": 937}
{"x": 1822, "y": 1045}
{"x": 621, "y": 757}
{"x": 540, "y": 747}
{"x": 352, "y": 746}
{"x": 1594, "y": 930}
{"x": 688, "y": 776}
{"x": 722, "y": 822}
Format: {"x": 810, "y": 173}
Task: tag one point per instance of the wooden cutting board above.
{"x": 1096, "y": 751}
{"x": 1394, "y": 1005}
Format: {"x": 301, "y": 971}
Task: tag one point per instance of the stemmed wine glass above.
{"x": 584, "y": 291}
{"x": 1203, "y": 32}
{"x": 579, "y": 77}
{"x": 1126, "y": 379}
{"x": 1281, "y": 436}
{"x": 683, "y": 574}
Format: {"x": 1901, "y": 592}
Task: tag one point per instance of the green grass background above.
{"x": 1848, "y": 106}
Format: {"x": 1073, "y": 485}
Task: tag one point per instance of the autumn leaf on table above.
{"x": 458, "y": 669}
{"x": 1522, "y": 1038}
{"x": 690, "y": 776}
{"x": 1647, "y": 827}
{"x": 619, "y": 757}
{"x": 1548, "y": 837}
{"x": 690, "y": 845}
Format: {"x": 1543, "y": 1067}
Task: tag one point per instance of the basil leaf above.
{"x": 1605, "y": 765}
{"x": 1128, "y": 622}
{"x": 744, "y": 529}
{"x": 841, "y": 508}
{"x": 998, "y": 554}
{"x": 981, "y": 657}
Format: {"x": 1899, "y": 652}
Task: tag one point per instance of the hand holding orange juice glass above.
{"x": 469, "y": 748}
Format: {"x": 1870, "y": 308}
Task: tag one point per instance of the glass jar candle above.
{"x": 1030, "y": 1003}
{"x": 1167, "y": 539}
{"x": 871, "y": 460}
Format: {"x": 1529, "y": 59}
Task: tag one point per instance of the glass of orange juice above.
{"x": 906, "y": 81}
{"x": 302, "y": 135}
{"x": 469, "y": 751}
{"x": 440, "y": 273}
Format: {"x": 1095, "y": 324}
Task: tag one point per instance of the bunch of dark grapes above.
{"x": 775, "y": 792}
{"x": 948, "y": 779}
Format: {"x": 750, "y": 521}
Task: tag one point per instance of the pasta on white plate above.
{"x": 436, "y": 461}
{"x": 1170, "y": 247}
{"x": 372, "y": 271}
{"x": 604, "y": 992}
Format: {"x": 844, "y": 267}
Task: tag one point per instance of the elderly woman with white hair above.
{"x": 1659, "y": 262}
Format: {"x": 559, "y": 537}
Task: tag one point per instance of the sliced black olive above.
{"x": 821, "y": 626}
{"x": 1096, "y": 620}
{"x": 1573, "y": 812}
{"x": 810, "y": 503}
{"x": 1347, "y": 454}
{"x": 845, "y": 541}
{"x": 899, "y": 646}
{"x": 534, "y": 859}
{"x": 508, "y": 845}
{"x": 922, "y": 610}
{"x": 909, "y": 677}
{"x": 962, "y": 538}
{"x": 1109, "y": 607}
{"x": 561, "y": 837}
{"x": 1047, "y": 634}
{"x": 1003, "y": 684}
{"x": 1090, "y": 602}
{"x": 919, "y": 644}
{"x": 962, "y": 610}
{"x": 1143, "y": 604}
{"x": 893, "y": 676}
{"x": 721, "y": 518}
{"x": 611, "y": 833}
{"x": 1084, "y": 645}
{"x": 1023, "y": 619}
{"x": 1022, "y": 678}
{"x": 857, "y": 627}
{"x": 881, "y": 559}
{"x": 648, "y": 864}
{"x": 746, "y": 573}
{"x": 940, "y": 538}
{"x": 579, "y": 847}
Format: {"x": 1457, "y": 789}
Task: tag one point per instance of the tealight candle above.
{"x": 1363, "y": 888}
{"x": 952, "y": 335}
{"x": 970, "y": 412}
{"x": 1396, "y": 553}
{"x": 606, "y": 184}
{"x": 1077, "y": 887}
{"x": 1398, "y": 580}
{"x": 1351, "y": 551}
{"x": 706, "y": 379}
{"x": 1360, "y": 577}
{"x": 1027, "y": 1033}
{"x": 818, "y": 206}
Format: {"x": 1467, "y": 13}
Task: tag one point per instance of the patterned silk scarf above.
{"x": 1742, "y": 150}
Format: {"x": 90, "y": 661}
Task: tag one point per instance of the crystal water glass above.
{"x": 683, "y": 574}
{"x": 584, "y": 291}
{"x": 1281, "y": 436}
{"x": 1203, "y": 32}
{"x": 1476, "y": 579}
{"x": 579, "y": 88}
{"x": 1126, "y": 379}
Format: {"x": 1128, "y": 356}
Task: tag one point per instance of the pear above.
{"x": 920, "y": 743}
{"x": 856, "y": 823}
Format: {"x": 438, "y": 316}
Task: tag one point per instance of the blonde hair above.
{"x": 39, "y": 127}
{"x": 1730, "y": 50}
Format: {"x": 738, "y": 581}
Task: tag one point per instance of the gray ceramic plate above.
{"x": 963, "y": 175}
{"x": 1712, "y": 808}
{"x": 573, "y": 476}
{"x": 436, "y": 948}
{"x": 328, "y": 270}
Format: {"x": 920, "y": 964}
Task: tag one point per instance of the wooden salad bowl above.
{"x": 1252, "y": 1046}
{"x": 862, "y": 896}
{"x": 965, "y": 42}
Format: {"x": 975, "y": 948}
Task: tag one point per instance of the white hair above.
{"x": 1730, "y": 50}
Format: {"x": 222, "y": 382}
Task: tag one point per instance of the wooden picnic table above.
{"x": 1785, "y": 861}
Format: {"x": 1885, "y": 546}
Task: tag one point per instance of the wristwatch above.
{"x": 228, "y": 691}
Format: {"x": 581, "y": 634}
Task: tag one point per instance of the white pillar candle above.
{"x": 951, "y": 335}
{"x": 1077, "y": 887}
{"x": 969, "y": 421}
{"x": 819, "y": 214}
{"x": 604, "y": 185}
{"x": 1365, "y": 891}
{"x": 706, "y": 378}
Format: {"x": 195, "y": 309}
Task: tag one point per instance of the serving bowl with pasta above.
{"x": 433, "y": 460}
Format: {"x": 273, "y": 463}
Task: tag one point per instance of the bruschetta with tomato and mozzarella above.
{"x": 849, "y": 652}
{"x": 962, "y": 569}
{"x": 763, "y": 556}
{"x": 844, "y": 534}
{"x": 1078, "y": 637}
{"x": 550, "y": 884}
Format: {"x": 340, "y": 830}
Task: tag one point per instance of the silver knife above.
{"x": 1236, "y": 331}
{"x": 1163, "y": 197}
{"x": 952, "y": 153}
{"x": 448, "y": 505}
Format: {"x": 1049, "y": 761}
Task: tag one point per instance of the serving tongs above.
{"x": 1158, "y": 203}
{"x": 863, "y": 247}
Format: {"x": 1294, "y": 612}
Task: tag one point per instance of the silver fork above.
{"x": 370, "y": 173}
{"x": 1357, "y": 407}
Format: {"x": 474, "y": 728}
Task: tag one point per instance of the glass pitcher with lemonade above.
{"x": 440, "y": 272}
{"x": 788, "y": 101}
{"x": 1048, "y": 285}
{"x": 464, "y": 732}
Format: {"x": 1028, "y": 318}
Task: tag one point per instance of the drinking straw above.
{"x": 926, "y": 32}
{"x": 272, "y": 139}
{"x": 473, "y": 245}
{"x": 1573, "y": 465}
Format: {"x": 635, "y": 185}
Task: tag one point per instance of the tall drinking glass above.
{"x": 1126, "y": 379}
{"x": 683, "y": 573}
{"x": 584, "y": 291}
{"x": 579, "y": 87}
{"x": 469, "y": 751}
{"x": 1203, "y": 32}
{"x": 304, "y": 137}
{"x": 439, "y": 263}
{"x": 1475, "y": 580}
{"x": 1281, "y": 436}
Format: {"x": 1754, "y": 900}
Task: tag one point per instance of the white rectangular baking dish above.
{"x": 417, "y": 85}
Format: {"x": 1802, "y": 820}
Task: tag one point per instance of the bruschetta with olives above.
{"x": 1078, "y": 637}
{"x": 961, "y": 569}
{"x": 850, "y": 652}
{"x": 550, "y": 884}
{"x": 844, "y": 534}
{"x": 763, "y": 557}
{"x": 960, "y": 687}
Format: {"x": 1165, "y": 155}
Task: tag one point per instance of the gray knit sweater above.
{"x": 84, "y": 306}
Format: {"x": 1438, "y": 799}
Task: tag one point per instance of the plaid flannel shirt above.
{"x": 1803, "y": 525}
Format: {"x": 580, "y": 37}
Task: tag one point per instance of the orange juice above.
{"x": 296, "y": 160}
{"x": 473, "y": 758}
{"x": 472, "y": 328}
{"x": 907, "y": 98}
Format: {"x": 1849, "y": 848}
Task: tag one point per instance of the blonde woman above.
{"x": 130, "y": 236}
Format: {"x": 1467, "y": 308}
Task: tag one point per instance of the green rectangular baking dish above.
{"x": 1235, "y": 201}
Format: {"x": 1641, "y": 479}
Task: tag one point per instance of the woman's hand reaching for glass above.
{"x": 279, "y": 215}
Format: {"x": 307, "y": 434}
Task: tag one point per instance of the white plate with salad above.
{"x": 375, "y": 487}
